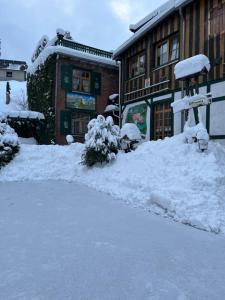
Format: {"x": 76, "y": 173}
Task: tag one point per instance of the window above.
{"x": 81, "y": 81}
{"x": 162, "y": 54}
{"x": 79, "y": 124}
{"x": 162, "y": 120}
{"x": 8, "y": 74}
{"x": 137, "y": 65}
{"x": 174, "y": 49}
{"x": 217, "y": 19}
{"x": 167, "y": 51}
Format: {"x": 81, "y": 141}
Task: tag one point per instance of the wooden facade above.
{"x": 196, "y": 28}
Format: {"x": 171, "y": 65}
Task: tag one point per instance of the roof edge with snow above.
{"x": 50, "y": 50}
{"x": 149, "y": 22}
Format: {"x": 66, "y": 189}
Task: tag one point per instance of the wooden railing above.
{"x": 84, "y": 48}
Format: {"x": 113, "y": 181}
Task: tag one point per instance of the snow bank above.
{"x": 191, "y": 66}
{"x": 168, "y": 177}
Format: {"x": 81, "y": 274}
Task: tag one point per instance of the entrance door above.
{"x": 79, "y": 125}
{"x": 162, "y": 120}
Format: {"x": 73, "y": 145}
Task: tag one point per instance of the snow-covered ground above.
{"x": 168, "y": 177}
{"x": 64, "y": 241}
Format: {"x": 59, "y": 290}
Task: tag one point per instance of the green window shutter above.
{"x": 96, "y": 83}
{"x": 65, "y": 122}
{"x": 66, "y": 77}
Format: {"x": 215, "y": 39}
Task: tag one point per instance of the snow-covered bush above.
{"x": 101, "y": 141}
{"x": 9, "y": 144}
{"x": 130, "y": 136}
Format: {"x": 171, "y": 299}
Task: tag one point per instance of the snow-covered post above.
{"x": 186, "y": 70}
{"x": 8, "y": 93}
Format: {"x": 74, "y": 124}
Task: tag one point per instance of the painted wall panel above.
{"x": 139, "y": 118}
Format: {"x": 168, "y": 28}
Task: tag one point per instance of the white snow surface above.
{"x": 17, "y": 108}
{"x": 131, "y": 131}
{"x": 49, "y": 50}
{"x": 65, "y": 241}
{"x": 18, "y": 95}
{"x": 111, "y": 107}
{"x": 191, "y": 66}
{"x": 168, "y": 177}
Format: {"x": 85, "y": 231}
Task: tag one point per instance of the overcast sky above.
{"x": 99, "y": 23}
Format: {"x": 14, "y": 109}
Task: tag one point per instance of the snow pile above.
{"x": 168, "y": 177}
{"x": 130, "y": 131}
{"x": 69, "y": 139}
{"x": 191, "y": 66}
{"x": 195, "y": 133}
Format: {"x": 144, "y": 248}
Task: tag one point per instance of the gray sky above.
{"x": 98, "y": 23}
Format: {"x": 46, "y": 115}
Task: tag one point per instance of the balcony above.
{"x": 83, "y": 48}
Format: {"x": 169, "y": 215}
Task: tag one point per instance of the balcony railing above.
{"x": 84, "y": 48}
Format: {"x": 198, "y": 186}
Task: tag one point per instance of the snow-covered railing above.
{"x": 84, "y": 48}
{"x": 189, "y": 102}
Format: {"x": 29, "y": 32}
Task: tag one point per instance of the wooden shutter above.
{"x": 96, "y": 83}
{"x": 66, "y": 77}
{"x": 65, "y": 122}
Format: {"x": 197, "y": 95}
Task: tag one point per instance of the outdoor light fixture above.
{"x": 202, "y": 145}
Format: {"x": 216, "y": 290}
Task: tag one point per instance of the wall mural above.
{"x": 138, "y": 114}
{"x": 75, "y": 100}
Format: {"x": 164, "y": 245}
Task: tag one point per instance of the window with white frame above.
{"x": 162, "y": 54}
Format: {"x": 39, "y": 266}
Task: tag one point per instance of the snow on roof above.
{"x": 111, "y": 107}
{"x": 49, "y": 50}
{"x": 131, "y": 131}
{"x": 150, "y": 21}
{"x": 191, "y": 66}
{"x": 152, "y": 16}
{"x": 24, "y": 114}
{"x": 113, "y": 96}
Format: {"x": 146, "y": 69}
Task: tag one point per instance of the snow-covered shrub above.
{"x": 130, "y": 136}
{"x": 9, "y": 144}
{"x": 101, "y": 141}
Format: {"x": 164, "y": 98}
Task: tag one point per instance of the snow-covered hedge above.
{"x": 101, "y": 141}
{"x": 9, "y": 143}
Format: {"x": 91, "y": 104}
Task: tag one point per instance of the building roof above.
{"x": 70, "y": 48}
{"x": 149, "y": 22}
{"x": 13, "y": 64}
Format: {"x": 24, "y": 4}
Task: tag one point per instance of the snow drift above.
{"x": 167, "y": 177}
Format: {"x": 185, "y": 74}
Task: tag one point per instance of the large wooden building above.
{"x": 175, "y": 31}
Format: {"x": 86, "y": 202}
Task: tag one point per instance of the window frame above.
{"x": 9, "y": 74}
{"x": 141, "y": 67}
{"x": 217, "y": 20}
{"x": 169, "y": 42}
{"x": 82, "y": 78}
{"x": 161, "y": 54}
